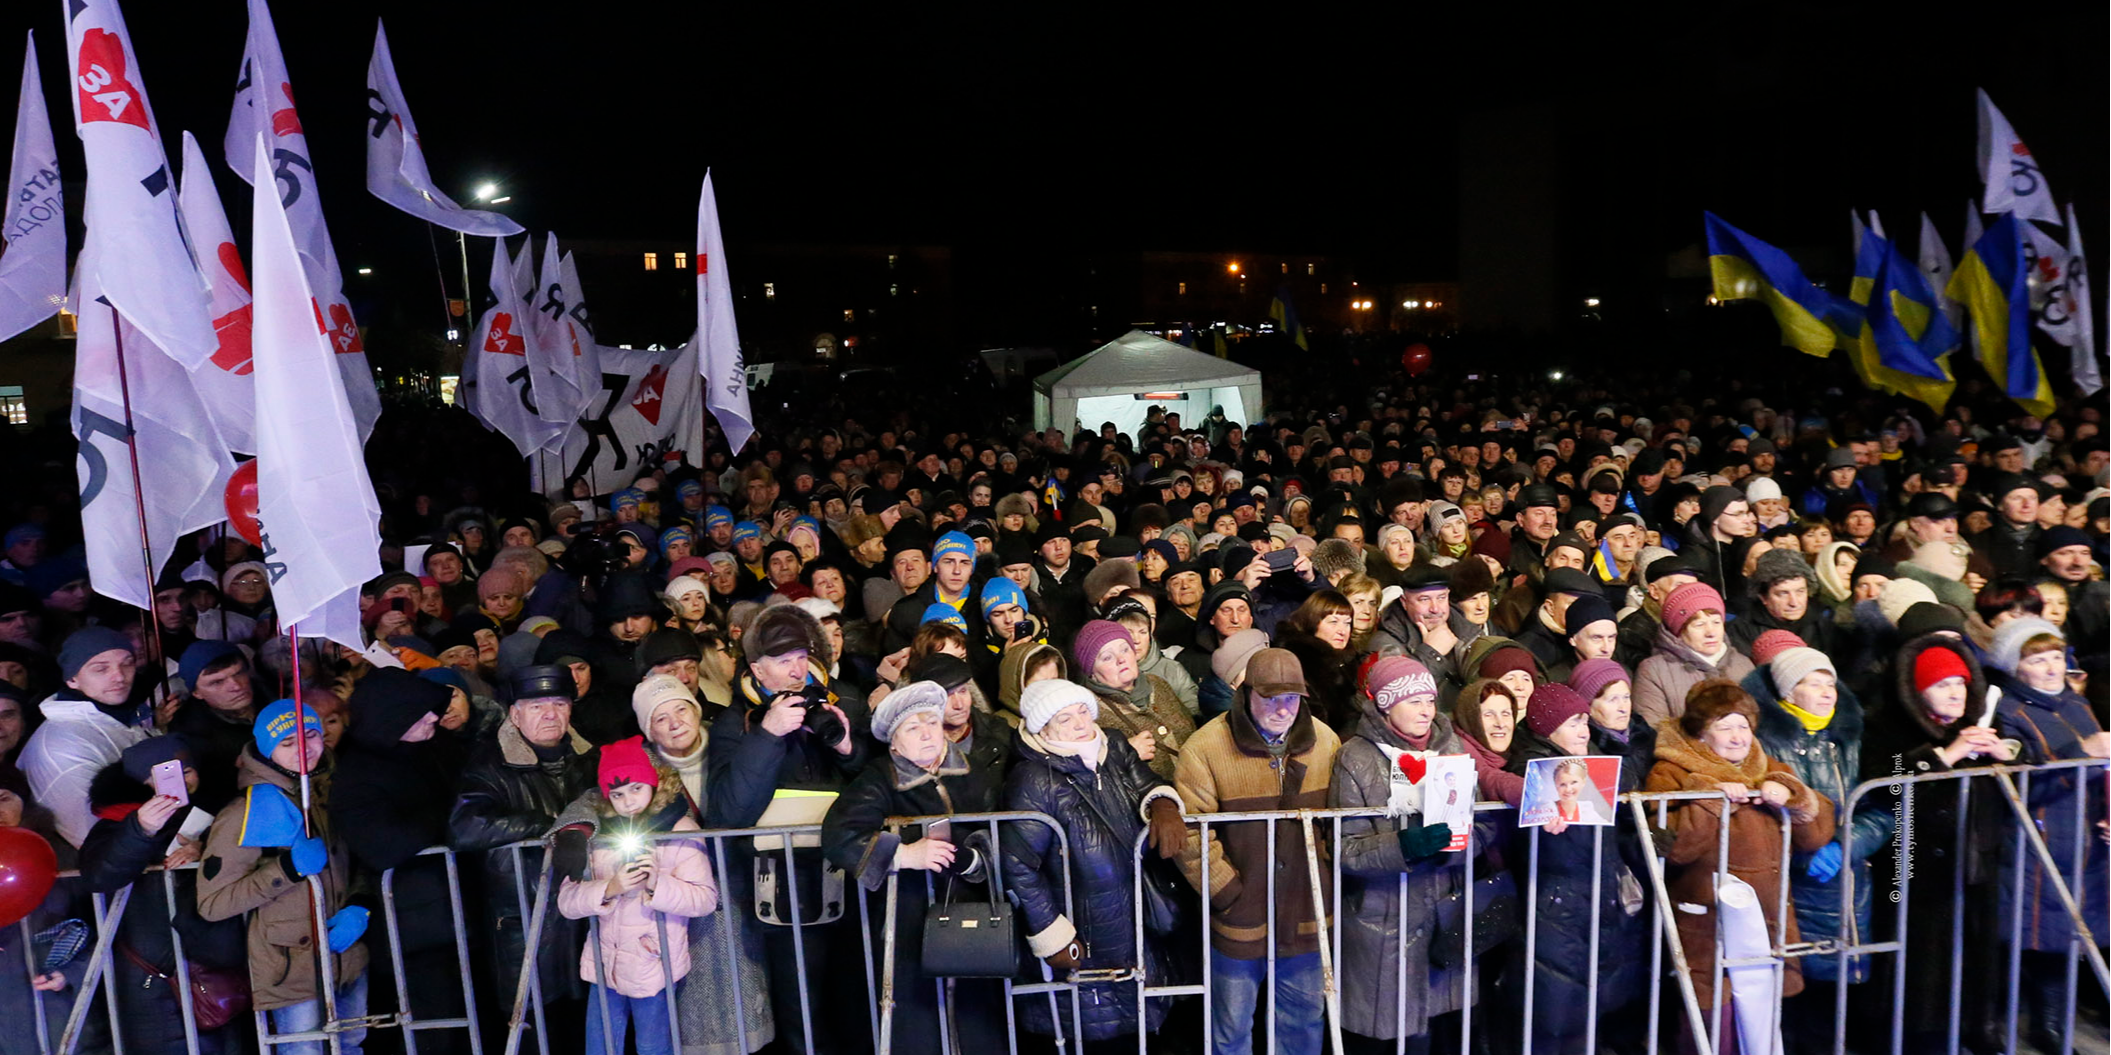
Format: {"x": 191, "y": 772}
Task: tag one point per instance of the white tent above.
{"x": 1122, "y": 380}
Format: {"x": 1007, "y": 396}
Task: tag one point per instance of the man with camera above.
{"x": 777, "y": 757}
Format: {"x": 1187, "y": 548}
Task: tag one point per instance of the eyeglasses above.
{"x": 249, "y": 580}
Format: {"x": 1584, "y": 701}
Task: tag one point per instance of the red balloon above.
{"x": 1415, "y": 360}
{"x": 28, "y": 868}
{"x": 242, "y": 502}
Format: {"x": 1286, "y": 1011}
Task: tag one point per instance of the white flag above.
{"x": 1876, "y": 224}
{"x": 395, "y": 159}
{"x": 500, "y": 390}
{"x": 134, "y": 232}
{"x": 33, "y": 267}
{"x": 2013, "y": 181}
{"x": 224, "y": 382}
{"x": 2080, "y": 309}
{"x": 1936, "y": 265}
{"x": 183, "y": 464}
{"x": 316, "y": 508}
{"x": 2045, "y": 261}
{"x": 724, "y": 369}
{"x": 568, "y": 363}
{"x": 264, "y": 108}
{"x": 647, "y": 406}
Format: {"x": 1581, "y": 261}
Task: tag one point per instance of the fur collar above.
{"x": 1704, "y": 768}
{"x": 516, "y": 751}
{"x": 908, "y": 774}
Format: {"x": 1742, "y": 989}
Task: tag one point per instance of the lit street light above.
{"x": 486, "y": 191}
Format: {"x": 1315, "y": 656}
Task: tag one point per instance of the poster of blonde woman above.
{"x": 1579, "y": 789}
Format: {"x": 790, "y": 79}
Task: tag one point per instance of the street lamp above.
{"x": 486, "y": 191}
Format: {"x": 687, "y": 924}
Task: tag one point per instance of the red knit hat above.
{"x": 625, "y": 762}
{"x": 1773, "y": 643}
{"x": 1688, "y": 601}
{"x": 1936, "y": 663}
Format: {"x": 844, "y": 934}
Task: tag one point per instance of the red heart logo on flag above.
{"x": 344, "y": 332}
{"x": 105, "y": 93}
{"x": 647, "y": 402}
{"x": 2019, "y": 150}
{"x": 1413, "y": 766}
{"x": 501, "y": 339}
{"x": 231, "y": 262}
{"x": 233, "y": 355}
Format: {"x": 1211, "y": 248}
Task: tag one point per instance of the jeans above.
{"x": 647, "y": 1013}
{"x": 307, "y": 1016}
{"x": 1235, "y": 992}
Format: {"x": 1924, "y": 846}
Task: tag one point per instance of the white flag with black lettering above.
{"x": 2009, "y": 171}
{"x": 395, "y": 158}
{"x": 316, "y": 508}
{"x": 648, "y": 408}
{"x": 183, "y": 463}
{"x": 144, "y": 266}
{"x": 500, "y": 389}
{"x": 264, "y": 108}
{"x": 225, "y": 381}
{"x": 2080, "y": 310}
{"x": 1935, "y": 263}
{"x": 717, "y": 339}
{"x": 33, "y": 266}
{"x": 568, "y": 361}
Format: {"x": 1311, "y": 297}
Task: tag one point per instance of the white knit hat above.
{"x": 682, "y": 584}
{"x": 656, "y": 690}
{"x": 1899, "y": 595}
{"x": 905, "y": 701}
{"x": 2007, "y": 648}
{"x": 1762, "y": 489}
{"x": 1795, "y": 664}
{"x": 1044, "y": 699}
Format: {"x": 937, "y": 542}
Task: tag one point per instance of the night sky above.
{"x": 1301, "y": 131}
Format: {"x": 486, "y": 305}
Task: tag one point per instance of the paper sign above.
{"x": 1447, "y": 796}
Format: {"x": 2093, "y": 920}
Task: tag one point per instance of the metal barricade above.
{"x": 2027, "y": 842}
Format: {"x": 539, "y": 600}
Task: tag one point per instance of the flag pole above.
{"x": 139, "y": 497}
{"x": 440, "y": 271}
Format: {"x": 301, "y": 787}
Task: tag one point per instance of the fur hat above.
{"x": 1899, "y": 595}
{"x": 1778, "y": 566}
{"x": 913, "y": 698}
{"x": 1708, "y": 701}
{"x": 2007, "y": 649}
{"x": 1228, "y": 662}
{"x": 1337, "y": 555}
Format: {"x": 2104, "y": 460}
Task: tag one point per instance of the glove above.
{"x": 1168, "y": 828}
{"x": 824, "y": 724}
{"x": 568, "y": 852}
{"x": 346, "y": 926}
{"x": 269, "y": 818}
{"x": 1825, "y": 864}
{"x": 1065, "y": 958}
{"x": 1661, "y": 840}
{"x": 1426, "y": 841}
{"x": 309, "y": 855}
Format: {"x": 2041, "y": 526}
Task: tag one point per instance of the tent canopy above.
{"x": 1110, "y": 383}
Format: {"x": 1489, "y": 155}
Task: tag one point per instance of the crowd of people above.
{"x": 848, "y": 624}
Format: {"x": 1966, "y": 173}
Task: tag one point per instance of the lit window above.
{"x": 681, "y": 260}
{"x": 1310, "y": 268}
{"x": 894, "y": 290}
{"x": 1286, "y": 267}
{"x": 1322, "y": 287}
{"x": 892, "y": 259}
{"x": 652, "y": 261}
{"x": 850, "y": 315}
{"x": 769, "y": 291}
{"x": 12, "y": 407}
{"x": 1183, "y": 289}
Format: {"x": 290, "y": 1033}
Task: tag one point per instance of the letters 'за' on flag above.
{"x": 395, "y": 157}
{"x": 316, "y": 508}
{"x": 264, "y": 108}
{"x": 33, "y": 223}
{"x": 1990, "y": 283}
{"x": 224, "y": 382}
{"x": 134, "y": 233}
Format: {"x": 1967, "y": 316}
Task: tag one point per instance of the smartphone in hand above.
{"x": 167, "y": 778}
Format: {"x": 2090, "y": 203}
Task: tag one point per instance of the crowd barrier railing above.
{"x": 1321, "y": 831}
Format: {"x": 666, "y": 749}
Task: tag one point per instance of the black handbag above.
{"x": 1498, "y": 916}
{"x": 970, "y": 939}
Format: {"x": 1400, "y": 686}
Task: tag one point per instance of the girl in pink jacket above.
{"x": 633, "y": 887}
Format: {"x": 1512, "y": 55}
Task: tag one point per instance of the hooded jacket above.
{"x": 61, "y": 759}
{"x": 390, "y": 799}
{"x": 682, "y": 889}
{"x": 1227, "y": 767}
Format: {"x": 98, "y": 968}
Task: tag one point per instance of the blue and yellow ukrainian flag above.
{"x": 1900, "y": 342}
{"x": 1745, "y": 268}
{"x": 1991, "y": 284}
{"x": 1603, "y": 565}
{"x": 1285, "y": 318}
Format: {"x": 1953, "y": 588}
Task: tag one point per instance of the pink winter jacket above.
{"x": 681, "y": 890}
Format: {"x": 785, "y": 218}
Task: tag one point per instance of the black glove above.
{"x": 1661, "y": 839}
{"x": 569, "y": 852}
{"x": 824, "y": 724}
{"x": 970, "y": 854}
{"x": 1426, "y": 841}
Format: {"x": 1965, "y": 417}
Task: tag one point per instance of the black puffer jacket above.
{"x": 1562, "y": 954}
{"x": 1330, "y": 674}
{"x": 510, "y": 793}
{"x": 118, "y": 851}
{"x": 1102, "y": 812}
{"x": 390, "y": 799}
